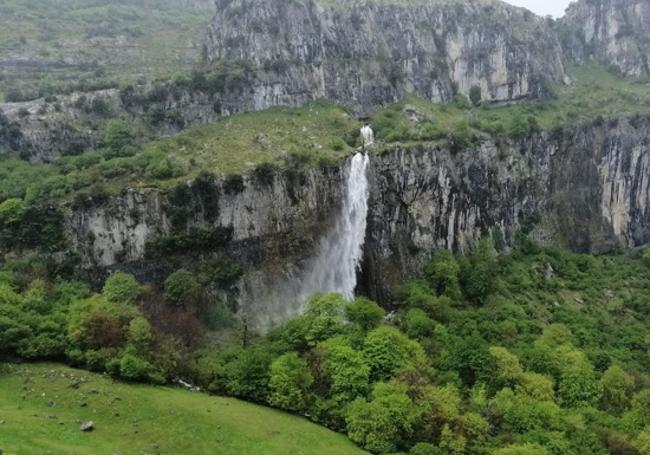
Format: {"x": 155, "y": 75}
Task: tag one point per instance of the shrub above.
{"x": 387, "y": 350}
{"x": 181, "y": 287}
{"x": 121, "y": 287}
{"x": 117, "y": 135}
{"x": 382, "y": 424}
{"x": 365, "y": 313}
{"x": 418, "y": 324}
{"x": 443, "y": 272}
{"x": 248, "y": 374}
{"x": 289, "y": 382}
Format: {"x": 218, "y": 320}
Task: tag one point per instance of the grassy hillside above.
{"x": 318, "y": 133}
{"x": 48, "y": 45}
{"x": 40, "y": 406}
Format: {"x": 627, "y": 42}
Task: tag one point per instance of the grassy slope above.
{"x": 123, "y": 39}
{"x": 315, "y": 133}
{"x": 594, "y": 92}
{"x": 174, "y": 420}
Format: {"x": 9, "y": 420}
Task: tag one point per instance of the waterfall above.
{"x": 335, "y": 266}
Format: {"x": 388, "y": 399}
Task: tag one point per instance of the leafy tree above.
{"x": 638, "y": 416}
{"x": 451, "y": 443}
{"x": 366, "y": 313}
{"x": 387, "y": 350}
{"x": 325, "y": 313}
{"x": 507, "y": 369}
{"x": 121, "y": 287}
{"x": 11, "y": 211}
{"x": 248, "y": 374}
{"x": 382, "y": 424}
{"x": 443, "y": 272}
{"x": 441, "y": 406}
{"x": 617, "y": 388}
{"x": 418, "y": 324}
{"x": 289, "y": 382}
{"x": 579, "y": 386}
{"x": 117, "y": 136}
{"x": 536, "y": 386}
{"x": 642, "y": 442}
{"x": 347, "y": 369}
{"x": 522, "y": 449}
{"x": 479, "y": 275}
{"x": 424, "y": 448}
{"x": 135, "y": 368}
{"x": 181, "y": 287}
{"x": 139, "y": 335}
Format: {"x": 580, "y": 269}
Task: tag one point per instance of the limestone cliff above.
{"x": 372, "y": 52}
{"x": 612, "y": 32}
{"x": 588, "y": 186}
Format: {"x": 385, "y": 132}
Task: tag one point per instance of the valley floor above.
{"x": 42, "y": 405}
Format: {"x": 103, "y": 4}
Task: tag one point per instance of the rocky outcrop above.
{"x": 46, "y": 128}
{"x": 588, "y": 187}
{"x": 271, "y": 226}
{"x": 611, "y": 32}
{"x": 370, "y": 53}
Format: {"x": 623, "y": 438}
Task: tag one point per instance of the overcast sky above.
{"x": 543, "y": 7}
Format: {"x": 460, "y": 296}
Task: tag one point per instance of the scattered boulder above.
{"x": 87, "y": 425}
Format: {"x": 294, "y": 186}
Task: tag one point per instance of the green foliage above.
{"x": 642, "y": 442}
{"x": 347, "y": 370}
{"x": 289, "y": 382}
{"x": 122, "y": 287}
{"x": 522, "y": 449}
{"x": 579, "y": 386}
{"x": 382, "y": 424}
{"x": 424, "y": 448}
{"x": 248, "y": 374}
{"x": 617, "y": 387}
{"x": 417, "y": 324}
{"x": 366, "y": 313}
{"x": 553, "y": 360}
{"x": 181, "y": 287}
{"x": 387, "y": 351}
{"x": 443, "y": 272}
{"x": 117, "y": 136}
{"x": 646, "y": 257}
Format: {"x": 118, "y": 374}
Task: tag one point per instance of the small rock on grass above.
{"x": 87, "y": 426}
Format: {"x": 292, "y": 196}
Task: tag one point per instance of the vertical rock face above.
{"x": 589, "y": 186}
{"x": 372, "y": 52}
{"x": 612, "y": 32}
{"x": 274, "y": 227}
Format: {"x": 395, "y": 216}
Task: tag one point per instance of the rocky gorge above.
{"x": 584, "y": 187}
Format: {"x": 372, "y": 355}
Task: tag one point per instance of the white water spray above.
{"x": 334, "y": 269}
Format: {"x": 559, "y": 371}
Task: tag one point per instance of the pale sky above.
{"x": 543, "y": 7}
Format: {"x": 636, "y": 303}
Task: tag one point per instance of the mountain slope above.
{"x": 40, "y": 406}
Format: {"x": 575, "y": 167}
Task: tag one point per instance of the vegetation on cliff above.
{"x": 535, "y": 350}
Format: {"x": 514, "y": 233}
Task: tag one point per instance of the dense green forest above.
{"x": 532, "y": 351}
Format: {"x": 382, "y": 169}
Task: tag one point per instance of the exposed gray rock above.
{"x": 589, "y": 185}
{"x": 612, "y": 32}
{"x": 88, "y": 425}
{"x": 370, "y": 53}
